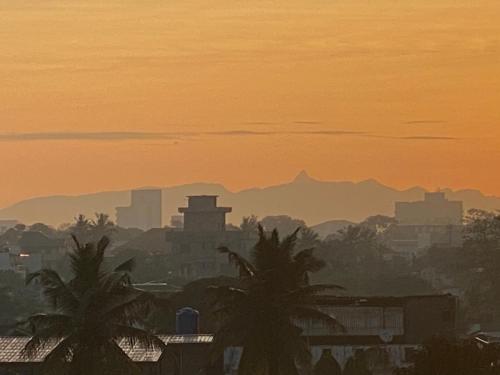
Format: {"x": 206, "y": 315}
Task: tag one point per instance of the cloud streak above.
{"x": 87, "y": 136}
{"x": 124, "y": 136}
{"x": 138, "y": 136}
{"x": 424, "y": 122}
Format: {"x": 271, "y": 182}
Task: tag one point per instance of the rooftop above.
{"x": 11, "y": 348}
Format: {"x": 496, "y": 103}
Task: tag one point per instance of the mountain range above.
{"x": 304, "y": 197}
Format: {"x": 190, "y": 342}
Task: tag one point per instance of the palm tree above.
{"x": 91, "y": 313}
{"x": 102, "y": 226}
{"x": 261, "y": 314}
{"x": 80, "y": 228}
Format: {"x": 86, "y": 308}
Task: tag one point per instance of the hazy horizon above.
{"x": 108, "y": 96}
{"x": 243, "y": 189}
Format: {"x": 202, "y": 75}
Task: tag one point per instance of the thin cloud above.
{"x": 260, "y": 123}
{"x": 307, "y": 122}
{"x": 429, "y": 138}
{"x": 424, "y": 122}
{"x": 128, "y": 136}
{"x": 240, "y": 132}
{"x": 88, "y": 136}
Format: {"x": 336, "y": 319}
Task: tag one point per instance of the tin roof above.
{"x": 11, "y": 348}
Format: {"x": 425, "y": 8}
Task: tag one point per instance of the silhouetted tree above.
{"x": 44, "y": 229}
{"x": 444, "y": 356}
{"x": 91, "y": 312}
{"x": 101, "y": 226}
{"x": 81, "y": 228}
{"x": 284, "y": 224}
{"x": 260, "y": 315}
{"x": 249, "y": 223}
{"x": 307, "y": 238}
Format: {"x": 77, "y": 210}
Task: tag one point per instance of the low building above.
{"x": 183, "y": 355}
{"x": 387, "y": 330}
{"x": 144, "y": 212}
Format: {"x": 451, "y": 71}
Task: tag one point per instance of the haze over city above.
{"x": 257, "y": 187}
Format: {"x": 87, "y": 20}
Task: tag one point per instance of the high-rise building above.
{"x": 144, "y": 212}
{"x": 433, "y": 222}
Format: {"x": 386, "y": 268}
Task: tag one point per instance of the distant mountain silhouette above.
{"x": 304, "y": 197}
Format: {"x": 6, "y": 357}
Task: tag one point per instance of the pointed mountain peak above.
{"x": 303, "y": 177}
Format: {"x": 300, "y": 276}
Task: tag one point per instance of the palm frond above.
{"x": 57, "y": 292}
{"x": 127, "y": 266}
{"x": 56, "y": 362}
{"x": 245, "y": 268}
{"x": 132, "y": 304}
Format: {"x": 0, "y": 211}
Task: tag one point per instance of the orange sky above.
{"x": 247, "y": 93}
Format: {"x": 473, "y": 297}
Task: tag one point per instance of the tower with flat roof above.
{"x": 203, "y": 215}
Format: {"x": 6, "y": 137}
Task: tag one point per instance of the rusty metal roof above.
{"x": 11, "y": 348}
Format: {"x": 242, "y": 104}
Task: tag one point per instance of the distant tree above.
{"x": 44, "y": 229}
{"x": 482, "y": 227}
{"x": 355, "y": 243}
{"x": 260, "y": 315}
{"x": 307, "y": 238}
{"x": 379, "y": 223}
{"x": 249, "y": 223}
{"x": 80, "y": 228}
{"x": 91, "y": 312}
{"x": 284, "y": 224}
{"x": 20, "y": 227}
{"x": 101, "y": 226}
{"x": 444, "y": 356}
{"x": 18, "y": 302}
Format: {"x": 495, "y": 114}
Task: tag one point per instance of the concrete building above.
{"x": 435, "y": 221}
{"x": 144, "y": 212}
{"x": 195, "y": 247}
{"x": 177, "y": 221}
{"x": 435, "y": 209}
{"x": 386, "y": 330}
{"x": 203, "y": 215}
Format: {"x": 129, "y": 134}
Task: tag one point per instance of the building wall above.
{"x": 381, "y": 359}
{"x": 435, "y": 209}
{"x": 145, "y": 211}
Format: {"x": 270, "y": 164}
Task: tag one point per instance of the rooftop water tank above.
{"x": 187, "y": 321}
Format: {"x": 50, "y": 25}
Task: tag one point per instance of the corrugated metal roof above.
{"x": 187, "y": 339}
{"x": 11, "y": 348}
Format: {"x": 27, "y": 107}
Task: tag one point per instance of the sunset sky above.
{"x": 111, "y": 95}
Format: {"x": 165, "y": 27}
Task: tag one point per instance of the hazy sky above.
{"x": 99, "y": 95}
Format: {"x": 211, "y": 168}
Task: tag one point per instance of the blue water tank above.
{"x": 187, "y": 321}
